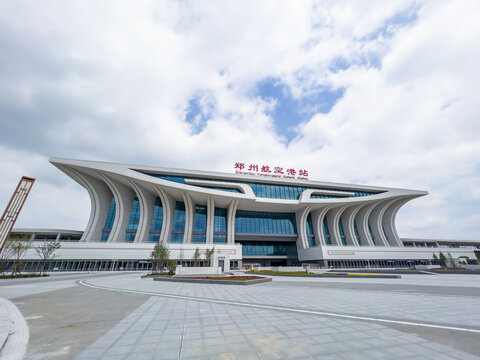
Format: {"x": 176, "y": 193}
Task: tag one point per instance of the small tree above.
{"x": 46, "y": 251}
{"x": 443, "y": 259}
{"x": 208, "y": 256}
{"x": 5, "y": 255}
{"x": 160, "y": 257}
{"x": 196, "y": 256}
{"x": 172, "y": 266}
{"x": 451, "y": 261}
{"x": 435, "y": 258}
{"x": 17, "y": 249}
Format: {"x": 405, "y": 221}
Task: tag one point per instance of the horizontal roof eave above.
{"x": 226, "y": 176}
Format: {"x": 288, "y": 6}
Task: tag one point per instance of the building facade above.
{"x": 251, "y": 220}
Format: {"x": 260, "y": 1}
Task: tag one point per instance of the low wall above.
{"x": 180, "y": 270}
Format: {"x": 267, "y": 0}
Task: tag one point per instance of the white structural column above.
{"x": 232, "y": 210}
{"x": 189, "y": 217}
{"x": 100, "y": 198}
{"x": 333, "y": 215}
{"x": 146, "y": 201}
{"x": 168, "y": 206}
{"x": 210, "y": 219}
{"x": 362, "y": 224}
{"x": 317, "y": 219}
{"x": 123, "y": 201}
{"x": 389, "y": 221}
{"x": 376, "y": 220}
{"x": 301, "y": 217}
{"x": 348, "y": 217}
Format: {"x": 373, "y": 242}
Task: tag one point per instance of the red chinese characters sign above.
{"x": 272, "y": 171}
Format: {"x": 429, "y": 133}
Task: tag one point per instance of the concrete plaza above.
{"x": 121, "y": 316}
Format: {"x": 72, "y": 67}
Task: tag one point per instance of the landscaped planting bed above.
{"x": 230, "y": 280}
{"x": 325, "y": 274}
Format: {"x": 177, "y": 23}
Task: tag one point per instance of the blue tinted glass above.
{"x": 130, "y": 236}
{"x": 288, "y": 192}
{"x": 157, "y": 218}
{"x": 179, "y": 217}
{"x": 105, "y": 235}
{"x": 221, "y": 188}
{"x": 133, "y": 221}
{"x": 326, "y": 232}
{"x": 269, "y": 249}
{"x": 109, "y": 221}
{"x": 111, "y": 215}
{"x": 134, "y": 215}
{"x": 220, "y": 220}
{"x": 153, "y": 237}
{"x": 200, "y": 219}
{"x": 219, "y": 239}
{"x": 198, "y": 238}
{"x": 359, "y": 238}
{"x": 264, "y": 222}
{"x": 325, "y": 227}
{"x": 309, "y": 224}
{"x": 342, "y": 233}
{"x": 177, "y": 238}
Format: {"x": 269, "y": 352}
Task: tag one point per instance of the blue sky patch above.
{"x": 289, "y": 112}
{"x": 199, "y": 110}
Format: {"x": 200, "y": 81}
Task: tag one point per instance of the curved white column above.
{"x": 333, "y": 216}
{"x": 388, "y": 221}
{"x": 146, "y": 201}
{"x": 376, "y": 220}
{"x": 301, "y": 218}
{"x": 210, "y": 219}
{"x": 317, "y": 219}
{"x": 348, "y": 218}
{"x": 100, "y": 199}
{"x": 362, "y": 223}
{"x": 168, "y": 206}
{"x": 189, "y": 217}
{"x": 123, "y": 202}
{"x": 232, "y": 210}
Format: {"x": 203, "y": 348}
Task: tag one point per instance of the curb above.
{"x": 334, "y": 276}
{"x": 13, "y": 331}
{"x": 219, "y": 282}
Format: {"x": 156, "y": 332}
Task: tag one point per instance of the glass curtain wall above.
{"x": 132, "y": 227}
{"x": 178, "y": 228}
{"x": 200, "y": 225}
{"x": 359, "y": 238}
{"x": 310, "y": 233}
{"x": 157, "y": 221}
{"x": 220, "y": 226}
{"x": 342, "y": 233}
{"x": 269, "y": 249}
{"x": 257, "y": 222}
{"x": 109, "y": 221}
{"x": 326, "y": 232}
{"x": 266, "y": 190}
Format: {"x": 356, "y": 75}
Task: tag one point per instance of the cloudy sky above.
{"x": 365, "y": 92}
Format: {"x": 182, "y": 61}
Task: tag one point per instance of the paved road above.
{"x": 122, "y": 316}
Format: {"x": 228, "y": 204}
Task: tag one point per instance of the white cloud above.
{"x": 112, "y": 81}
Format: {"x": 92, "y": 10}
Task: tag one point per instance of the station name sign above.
{"x": 270, "y": 171}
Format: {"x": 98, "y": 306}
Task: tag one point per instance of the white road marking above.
{"x": 280, "y": 308}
